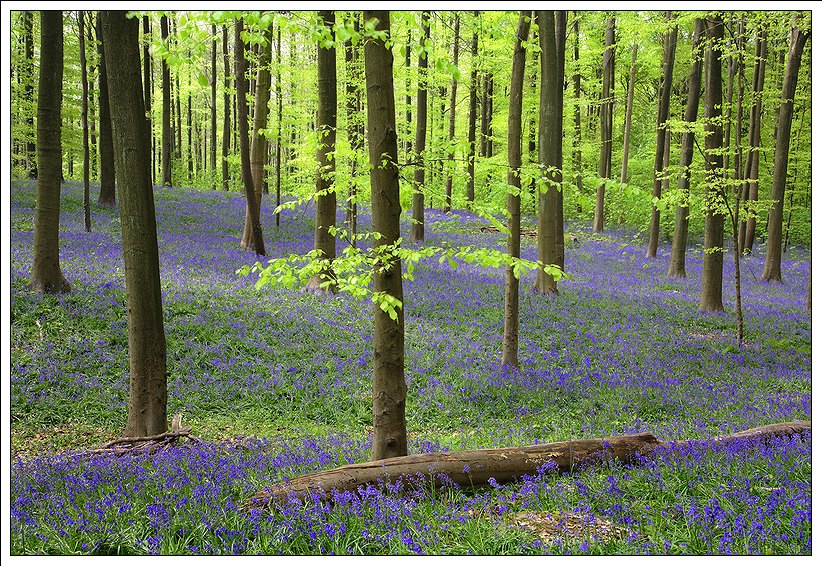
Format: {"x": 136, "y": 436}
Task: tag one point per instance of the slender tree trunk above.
{"x": 166, "y": 133}
{"x": 663, "y": 113}
{"x": 389, "y": 389}
{"x": 353, "y": 109}
{"x": 623, "y": 176}
{"x": 279, "y": 94}
{"x": 773, "y": 255}
{"x": 28, "y": 91}
{"x": 147, "y": 86}
{"x": 84, "y": 117}
{"x": 489, "y": 115}
{"x": 418, "y": 210}
{"x": 577, "y": 152}
{"x": 483, "y": 114}
{"x": 46, "y": 276}
{"x": 213, "y": 131}
{"x": 226, "y": 109}
{"x": 107, "y": 167}
{"x": 711, "y": 295}
{"x": 510, "y": 342}
{"x": 326, "y": 217}
{"x": 452, "y": 117}
{"x": 146, "y": 337}
{"x": 676, "y": 268}
{"x": 407, "y": 128}
{"x": 754, "y": 142}
{"x": 258, "y": 142}
{"x": 472, "y": 111}
{"x": 606, "y": 122}
{"x": 242, "y": 125}
{"x": 552, "y": 45}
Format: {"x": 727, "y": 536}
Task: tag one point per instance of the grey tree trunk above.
{"x": 389, "y": 389}
{"x": 278, "y": 157}
{"x": 472, "y": 112}
{"x": 773, "y": 254}
{"x": 510, "y": 341}
{"x": 606, "y": 122}
{"x": 213, "y": 131}
{"x": 226, "y": 109}
{"x": 147, "y": 88}
{"x": 751, "y": 193}
{"x": 107, "y": 167}
{"x": 148, "y": 395}
{"x": 167, "y": 141}
{"x": 84, "y": 118}
{"x": 629, "y": 108}
{"x": 449, "y": 182}
{"x": 46, "y": 275}
{"x": 418, "y": 210}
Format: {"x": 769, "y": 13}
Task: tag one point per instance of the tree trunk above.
{"x": 213, "y": 131}
{"x": 147, "y": 87}
{"x": 146, "y": 337}
{"x": 390, "y": 438}
{"x": 676, "y": 268}
{"x": 489, "y": 115}
{"x": 407, "y": 127}
{"x": 773, "y": 255}
{"x": 711, "y": 295}
{"x": 418, "y": 208}
{"x": 623, "y": 176}
{"x": 107, "y": 167}
{"x": 28, "y": 91}
{"x": 452, "y": 117}
{"x": 472, "y": 112}
{"x": 189, "y": 128}
{"x": 258, "y": 141}
{"x": 279, "y": 94}
{"x": 510, "y": 342}
{"x": 226, "y": 109}
{"x": 606, "y": 122}
{"x": 663, "y": 113}
{"x": 577, "y": 152}
{"x": 242, "y": 125}
{"x": 46, "y": 276}
{"x": 754, "y": 141}
{"x": 483, "y": 114}
{"x": 84, "y": 117}
{"x": 166, "y": 133}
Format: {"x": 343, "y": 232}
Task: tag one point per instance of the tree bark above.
{"x": 710, "y": 299}
{"x": 472, "y": 112}
{"x": 510, "y": 342}
{"x": 389, "y": 389}
{"x": 773, "y": 254}
{"x": 751, "y": 193}
{"x": 606, "y": 122}
{"x": 226, "y": 109}
{"x": 165, "y": 158}
{"x": 147, "y": 87}
{"x": 46, "y": 275}
{"x": 84, "y": 118}
{"x": 278, "y": 151}
{"x": 577, "y": 151}
{"x": 623, "y": 176}
{"x": 242, "y": 125}
{"x": 550, "y": 247}
{"x": 418, "y": 207}
{"x": 28, "y": 91}
{"x": 452, "y": 117}
{"x": 326, "y": 217}
{"x": 213, "y": 130}
{"x": 258, "y": 141}
{"x": 476, "y": 468}
{"x": 676, "y": 268}
{"x": 107, "y": 168}
{"x": 146, "y": 337}
{"x": 662, "y": 132}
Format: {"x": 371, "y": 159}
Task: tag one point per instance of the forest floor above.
{"x": 277, "y": 382}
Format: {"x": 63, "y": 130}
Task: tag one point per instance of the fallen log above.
{"x": 473, "y": 468}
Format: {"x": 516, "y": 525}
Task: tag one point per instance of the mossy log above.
{"x": 469, "y": 468}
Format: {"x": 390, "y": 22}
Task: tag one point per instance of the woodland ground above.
{"x": 278, "y": 384}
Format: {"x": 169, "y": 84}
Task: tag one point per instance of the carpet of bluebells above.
{"x": 278, "y": 381}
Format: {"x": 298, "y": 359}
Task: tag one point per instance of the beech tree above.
{"x": 84, "y": 118}
{"x": 452, "y": 116}
{"x": 750, "y": 192}
{"x": 511, "y": 318}
{"x": 46, "y": 275}
{"x": 148, "y": 395}
{"x": 166, "y": 137}
{"x": 472, "y": 111}
{"x": 418, "y": 211}
{"x": 107, "y": 168}
{"x": 389, "y": 389}
{"x": 606, "y": 122}
{"x": 773, "y": 254}
{"x": 629, "y": 108}
{"x": 326, "y": 217}
{"x": 226, "y": 109}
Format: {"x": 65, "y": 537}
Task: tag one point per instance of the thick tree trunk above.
{"x": 147, "y": 87}
{"x": 242, "y": 125}
{"x": 626, "y": 136}
{"x": 165, "y": 157}
{"x": 510, "y": 341}
{"x": 418, "y": 207}
{"x": 226, "y": 109}
{"x": 662, "y": 132}
{"x": 46, "y": 276}
{"x": 452, "y": 117}
{"x": 475, "y": 468}
{"x": 258, "y": 141}
{"x": 606, "y": 122}
{"x": 107, "y": 168}
{"x": 389, "y": 389}
{"x": 84, "y": 118}
{"x": 773, "y": 255}
{"x": 710, "y": 299}
{"x": 146, "y": 337}
{"x": 676, "y": 268}
{"x": 472, "y": 112}
{"x": 326, "y": 216}
{"x": 550, "y": 246}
